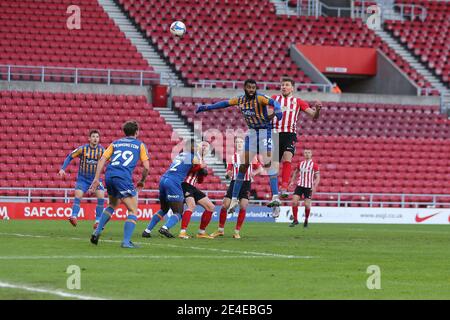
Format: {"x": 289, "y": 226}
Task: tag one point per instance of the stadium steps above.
{"x": 282, "y": 8}
{"x": 405, "y": 54}
{"x": 168, "y": 77}
{"x": 184, "y": 131}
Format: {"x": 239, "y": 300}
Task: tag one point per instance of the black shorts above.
{"x": 305, "y": 192}
{"x": 286, "y": 142}
{"x": 191, "y": 191}
{"x": 243, "y": 194}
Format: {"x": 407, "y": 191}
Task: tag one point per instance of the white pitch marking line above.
{"x": 126, "y": 257}
{"x": 48, "y": 291}
{"x": 182, "y": 247}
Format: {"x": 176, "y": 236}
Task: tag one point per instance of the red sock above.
{"x": 223, "y": 217}
{"x": 206, "y": 218}
{"x": 295, "y": 213}
{"x": 307, "y": 210}
{"x": 186, "y": 219}
{"x": 286, "y": 174}
{"x": 240, "y": 219}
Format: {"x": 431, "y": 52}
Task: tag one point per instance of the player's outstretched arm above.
{"x": 276, "y": 108}
{"x": 67, "y": 161}
{"x": 217, "y": 105}
{"x": 314, "y": 112}
{"x": 74, "y": 154}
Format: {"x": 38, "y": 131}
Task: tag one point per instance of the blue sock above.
{"x": 157, "y": 217}
{"x": 99, "y": 209}
{"x": 128, "y": 228}
{"x": 173, "y": 220}
{"x": 274, "y": 184}
{"x": 76, "y": 207}
{"x": 106, "y": 215}
{"x": 238, "y": 185}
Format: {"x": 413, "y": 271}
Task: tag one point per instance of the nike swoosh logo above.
{"x": 422, "y": 219}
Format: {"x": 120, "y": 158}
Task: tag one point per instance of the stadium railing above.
{"x": 231, "y": 84}
{"x": 149, "y": 196}
{"x": 359, "y": 10}
{"x": 79, "y": 75}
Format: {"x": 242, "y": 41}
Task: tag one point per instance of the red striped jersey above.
{"x": 291, "y": 108}
{"x": 307, "y": 169}
{"x": 236, "y": 162}
{"x": 192, "y": 177}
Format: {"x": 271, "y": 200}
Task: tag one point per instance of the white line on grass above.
{"x": 126, "y": 257}
{"x": 48, "y": 291}
{"x": 263, "y": 254}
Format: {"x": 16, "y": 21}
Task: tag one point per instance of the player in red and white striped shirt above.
{"x": 287, "y": 127}
{"x": 307, "y": 184}
{"x": 194, "y": 196}
{"x": 232, "y": 171}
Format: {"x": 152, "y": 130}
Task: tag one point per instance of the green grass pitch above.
{"x": 271, "y": 261}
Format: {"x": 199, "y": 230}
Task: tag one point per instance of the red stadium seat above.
{"x": 34, "y": 135}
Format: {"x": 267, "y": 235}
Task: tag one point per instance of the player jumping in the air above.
{"x": 307, "y": 184}
{"x": 232, "y": 171}
{"x": 287, "y": 127}
{"x": 254, "y": 108}
{"x": 171, "y": 194}
{"x": 124, "y": 154}
{"x": 89, "y": 155}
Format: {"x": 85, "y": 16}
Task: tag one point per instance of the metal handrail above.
{"x": 76, "y": 74}
{"x": 397, "y": 8}
{"x": 340, "y": 199}
{"x": 206, "y": 83}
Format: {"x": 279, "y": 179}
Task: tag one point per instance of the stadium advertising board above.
{"x": 371, "y": 215}
{"x": 61, "y": 211}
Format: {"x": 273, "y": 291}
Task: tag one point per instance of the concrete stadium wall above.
{"x": 311, "y": 96}
{"x": 390, "y": 79}
{"x": 75, "y": 88}
{"x": 307, "y": 67}
{"x": 212, "y": 93}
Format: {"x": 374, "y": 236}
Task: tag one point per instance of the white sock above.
{"x": 148, "y": 231}
{"x": 221, "y": 229}
{"x": 236, "y": 231}
{"x": 182, "y": 230}
{"x": 164, "y": 227}
{"x": 201, "y": 231}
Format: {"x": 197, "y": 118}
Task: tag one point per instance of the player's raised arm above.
{"x": 100, "y": 165}
{"x": 74, "y": 154}
{"x": 314, "y": 112}
{"x": 276, "y": 108}
{"x": 146, "y": 163}
{"x": 217, "y": 105}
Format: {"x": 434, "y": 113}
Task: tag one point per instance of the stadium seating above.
{"x": 34, "y": 33}
{"x": 41, "y": 128}
{"x": 253, "y": 41}
{"x": 362, "y": 148}
{"x": 428, "y": 40}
